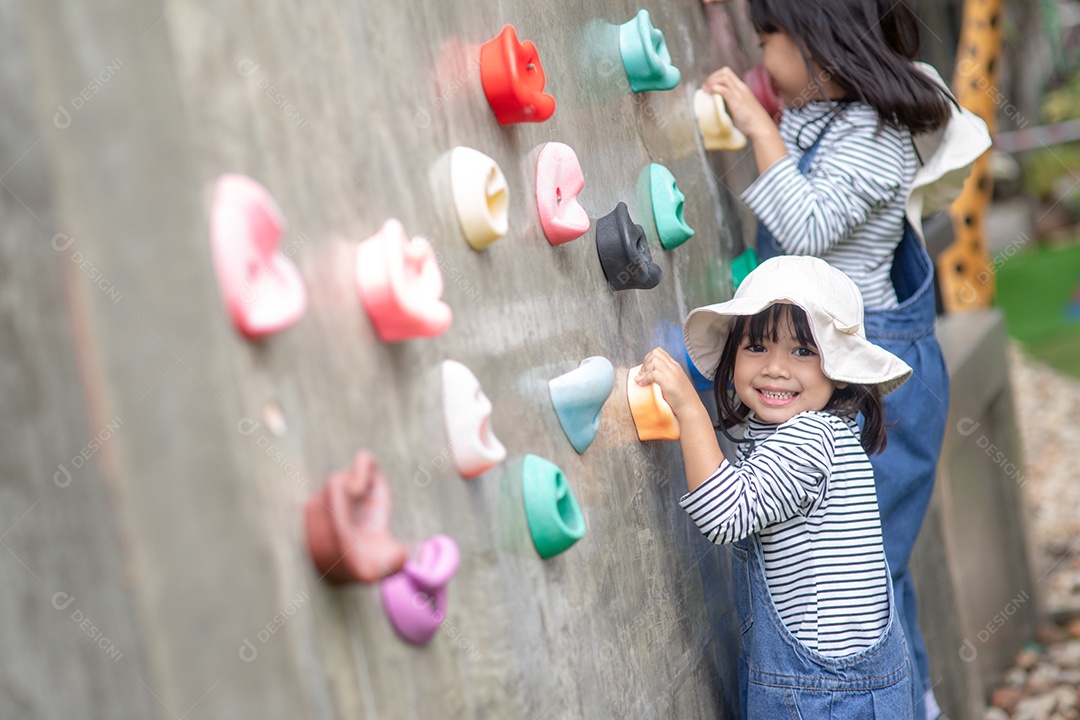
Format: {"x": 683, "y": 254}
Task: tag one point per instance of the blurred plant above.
{"x": 1053, "y": 173}
{"x": 1044, "y": 169}
{"x": 1063, "y": 103}
{"x": 1059, "y": 35}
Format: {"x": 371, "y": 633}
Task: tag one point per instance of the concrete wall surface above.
{"x": 155, "y": 463}
{"x": 175, "y": 522}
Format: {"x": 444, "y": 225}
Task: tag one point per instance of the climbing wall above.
{"x": 162, "y": 442}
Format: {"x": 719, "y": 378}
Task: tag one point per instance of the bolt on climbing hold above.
{"x": 474, "y": 449}
{"x": 555, "y": 520}
{"x": 579, "y": 396}
{"x": 261, "y": 286}
{"x": 645, "y": 55}
{"x": 558, "y": 181}
{"x": 481, "y": 196}
{"x": 415, "y": 599}
{"x": 764, "y": 89}
{"x": 400, "y": 285}
{"x": 667, "y": 204}
{"x": 513, "y": 79}
{"x": 348, "y": 525}
{"x": 718, "y": 132}
{"x": 624, "y": 252}
{"x": 653, "y": 417}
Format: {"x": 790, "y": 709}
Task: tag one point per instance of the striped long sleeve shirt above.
{"x": 849, "y": 209}
{"x": 807, "y": 489}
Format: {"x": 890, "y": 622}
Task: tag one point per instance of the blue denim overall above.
{"x": 780, "y": 677}
{"x": 915, "y": 417}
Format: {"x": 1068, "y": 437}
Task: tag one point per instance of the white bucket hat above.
{"x": 834, "y": 309}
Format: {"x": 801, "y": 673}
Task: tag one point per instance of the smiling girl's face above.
{"x": 778, "y": 376}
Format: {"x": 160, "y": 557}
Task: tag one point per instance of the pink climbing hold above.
{"x": 400, "y": 285}
{"x": 262, "y": 288}
{"x": 348, "y": 525}
{"x": 558, "y": 181}
{"x": 765, "y": 90}
{"x": 415, "y": 599}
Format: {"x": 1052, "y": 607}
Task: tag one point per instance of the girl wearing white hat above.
{"x": 792, "y": 364}
{"x": 869, "y": 142}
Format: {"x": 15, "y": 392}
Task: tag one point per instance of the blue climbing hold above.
{"x": 578, "y": 397}
{"x": 700, "y": 381}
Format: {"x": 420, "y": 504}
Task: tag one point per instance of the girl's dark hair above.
{"x": 867, "y": 47}
{"x": 845, "y": 402}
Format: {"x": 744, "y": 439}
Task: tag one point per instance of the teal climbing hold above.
{"x": 645, "y": 55}
{"x": 742, "y": 266}
{"x": 555, "y": 520}
{"x": 667, "y": 204}
{"x": 578, "y": 397}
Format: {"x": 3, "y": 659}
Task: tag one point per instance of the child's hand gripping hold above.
{"x": 701, "y": 452}
{"x": 660, "y": 368}
{"x": 749, "y": 115}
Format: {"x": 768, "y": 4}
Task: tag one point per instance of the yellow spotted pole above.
{"x": 964, "y": 269}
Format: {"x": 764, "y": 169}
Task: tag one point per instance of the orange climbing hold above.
{"x": 653, "y": 417}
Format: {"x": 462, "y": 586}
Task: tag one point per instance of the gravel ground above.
{"x": 1043, "y": 684}
{"x": 1048, "y": 416}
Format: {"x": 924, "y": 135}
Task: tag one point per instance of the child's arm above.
{"x": 749, "y": 116}
{"x": 859, "y": 173}
{"x": 786, "y": 475}
{"x": 701, "y": 453}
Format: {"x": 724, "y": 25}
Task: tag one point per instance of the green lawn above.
{"x": 1037, "y": 288}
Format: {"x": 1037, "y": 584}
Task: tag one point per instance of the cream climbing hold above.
{"x": 474, "y": 449}
{"x": 481, "y": 196}
{"x": 717, "y": 129}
